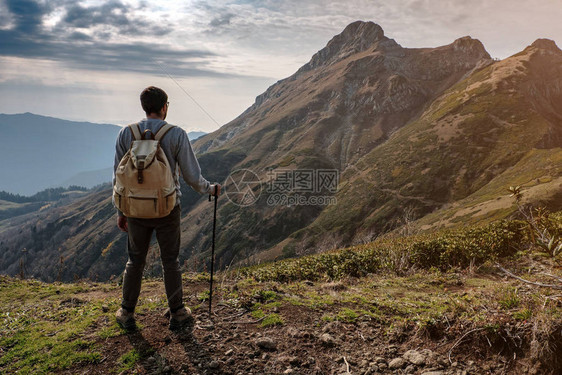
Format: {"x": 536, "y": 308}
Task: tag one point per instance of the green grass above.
{"x": 347, "y": 315}
{"x": 48, "y": 328}
{"x": 422, "y": 300}
{"x": 43, "y": 327}
{"x": 509, "y": 300}
{"x": 524, "y": 314}
{"x": 272, "y": 320}
{"x": 203, "y": 296}
{"x": 112, "y": 330}
{"x": 128, "y": 360}
{"x": 421, "y": 284}
{"x": 258, "y": 313}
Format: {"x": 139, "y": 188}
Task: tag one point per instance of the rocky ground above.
{"x": 483, "y": 300}
{"x": 319, "y": 328}
{"x": 424, "y": 323}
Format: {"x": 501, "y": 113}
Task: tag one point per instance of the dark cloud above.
{"x": 78, "y": 36}
{"x": 27, "y": 14}
{"x": 112, "y": 14}
{"x": 82, "y": 52}
{"x": 69, "y": 44}
{"x": 221, "y": 20}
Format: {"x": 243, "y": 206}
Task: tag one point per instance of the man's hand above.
{"x": 217, "y": 188}
{"x": 122, "y": 223}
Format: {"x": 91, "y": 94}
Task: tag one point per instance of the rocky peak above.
{"x": 356, "y": 37}
{"x": 470, "y": 46}
{"x": 547, "y": 44}
{"x": 358, "y": 34}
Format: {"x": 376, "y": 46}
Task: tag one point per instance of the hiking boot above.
{"x": 125, "y": 319}
{"x": 181, "y": 318}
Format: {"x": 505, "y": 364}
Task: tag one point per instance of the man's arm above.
{"x": 189, "y": 166}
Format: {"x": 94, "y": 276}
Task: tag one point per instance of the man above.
{"x": 181, "y": 157}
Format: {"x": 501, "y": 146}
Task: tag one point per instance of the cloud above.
{"x": 113, "y": 14}
{"x": 82, "y": 52}
{"x": 79, "y": 36}
{"x": 92, "y": 38}
{"x": 221, "y": 20}
{"x": 280, "y": 24}
{"x": 27, "y": 14}
{"x": 225, "y": 44}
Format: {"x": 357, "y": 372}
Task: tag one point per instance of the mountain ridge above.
{"x": 411, "y": 131}
{"x": 328, "y": 89}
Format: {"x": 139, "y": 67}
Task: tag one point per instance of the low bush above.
{"x": 454, "y": 248}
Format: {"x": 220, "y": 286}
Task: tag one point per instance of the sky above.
{"x": 89, "y": 60}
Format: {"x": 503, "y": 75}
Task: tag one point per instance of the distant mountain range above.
{"x": 44, "y": 152}
{"x": 417, "y": 138}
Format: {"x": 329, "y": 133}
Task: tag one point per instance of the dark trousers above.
{"x": 168, "y": 236}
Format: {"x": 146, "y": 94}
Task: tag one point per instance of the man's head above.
{"x": 154, "y": 101}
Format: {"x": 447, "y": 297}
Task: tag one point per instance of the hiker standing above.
{"x": 146, "y": 190}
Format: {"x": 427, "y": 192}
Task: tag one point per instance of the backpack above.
{"x": 144, "y": 184}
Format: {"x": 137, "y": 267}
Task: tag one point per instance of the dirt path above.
{"x": 236, "y": 343}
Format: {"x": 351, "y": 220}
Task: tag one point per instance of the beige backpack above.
{"x": 144, "y": 184}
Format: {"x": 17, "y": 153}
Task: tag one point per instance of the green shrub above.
{"x": 469, "y": 246}
{"x": 443, "y": 250}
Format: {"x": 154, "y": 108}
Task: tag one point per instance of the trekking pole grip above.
{"x": 215, "y": 193}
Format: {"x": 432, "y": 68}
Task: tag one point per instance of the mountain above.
{"x": 351, "y": 95}
{"x": 194, "y": 135}
{"x": 46, "y": 151}
{"x": 416, "y": 138}
{"x": 500, "y": 126}
{"x": 345, "y": 102}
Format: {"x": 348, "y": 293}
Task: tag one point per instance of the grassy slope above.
{"x": 405, "y": 300}
{"x": 5, "y": 205}
{"x": 475, "y": 141}
{"x": 43, "y": 326}
{"x": 538, "y": 173}
{"x": 82, "y": 232}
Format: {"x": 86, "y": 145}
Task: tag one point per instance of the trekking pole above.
{"x": 213, "y": 248}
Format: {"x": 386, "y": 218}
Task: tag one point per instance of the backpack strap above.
{"x": 162, "y": 131}
{"x": 135, "y": 129}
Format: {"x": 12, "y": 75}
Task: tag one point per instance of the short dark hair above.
{"x": 153, "y": 99}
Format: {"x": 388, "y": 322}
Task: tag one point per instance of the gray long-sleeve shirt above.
{"x": 177, "y": 148}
